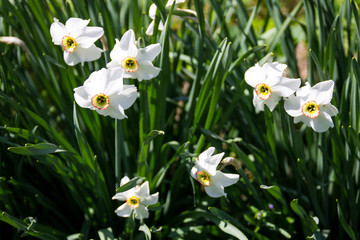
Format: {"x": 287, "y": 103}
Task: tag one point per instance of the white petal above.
{"x": 97, "y": 82}
{"x": 274, "y": 69}
{"x": 322, "y": 92}
{"x": 148, "y": 53}
{"x": 329, "y": 109}
{"x": 255, "y": 75}
{"x": 302, "y": 118}
{"x": 90, "y": 35}
{"x": 141, "y": 212}
{"x": 150, "y": 28}
{"x": 210, "y": 163}
{"x": 123, "y": 196}
{"x": 57, "y": 31}
{"x": 124, "y": 210}
{"x": 127, "y": 97}
{"x": 76, "y": 26}
{"x": 170, "y": 2}
{"x": 146, "y": 71}
{"x": 322, "y": 122}
{"x": 304, "y": 91}
{"x": 152, "y": 11}
{"x": 150, "y": 200}
{"x": 71, "y": 59}
{"x": 127, "y": 44}
{"x": 114, "y": 82}
{"x": 193, "y": 171}
{"x": 215, "y": 191}
{"x": 124, "y": 180}
{"x": 143, "y": 191}
{"x": 272, "y": 101}
{"x": 292, "y": 106}
{"x": 82, "y": 97}
{"x": 88, "y": 54}
{"x": 117, "y": 54}
{"x": 207, "y": 153}
{"x": 224, "y": 179}
{"x": 286, "y": 86}
{"x": 161, "y": 26}
{"x": 116, "y": 112}
{"x": 114, "y": 64}
{"x": 258, "y": 102}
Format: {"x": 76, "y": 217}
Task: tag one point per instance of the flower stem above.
{"x": 117, "y": 153}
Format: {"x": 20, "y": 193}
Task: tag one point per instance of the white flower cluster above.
{"x": 104, "y": 90}
{"x": 307, "y": 104}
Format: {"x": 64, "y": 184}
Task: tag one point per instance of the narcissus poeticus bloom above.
{"x": 312, "y": 106}
{"x": 136, "y": 63}
{"x": 105, "y": 92}
{"x": 136, "y": 200}
{"x": 77, "y": 40}
{"x": 206, "y": 174}
{"x": 269, "y": 84}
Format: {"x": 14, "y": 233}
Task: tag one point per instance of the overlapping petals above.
{"x": 77, "y": 40}
{"x": 105, "y": 92}
{"x": 312, "y": 106}
{"x": 269, "y": 84}
{"x": 206, "y": 174}
{"x": 136, "y": 200}
{"x": 136, "y": 63}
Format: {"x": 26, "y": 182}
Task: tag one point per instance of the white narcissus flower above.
{"x": 77, "y": 40}
{"x": 152, "y": 13}
{"x": 135, "y": 62}
{"x": 206, "y": 174}
{"x": 312, "y": 106}
{"x": 136, "y": 200}
{"x": 105, "y": 92}
{"x": 269, "y": 84}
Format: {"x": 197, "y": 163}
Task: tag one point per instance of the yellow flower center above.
{"x": 310, "y": 109}
{"x": 203, "y": 178}
{"x": 263, "y": 91}
{"x": 133, "y": 202}
{"x": 69, "y": 43}
{"x": 100, "y": 101}
{"x": 129, "y": 64}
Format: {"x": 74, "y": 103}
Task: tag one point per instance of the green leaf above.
{"x": 275, "y": 192}
{"x": 36, "y": 149}
{"x": 222, "y": 221}
{"x": 132, "y": 183}
{"x": 153, "y": 134}
{"x": 143, "y": 227}
{"x": 298, "y": 209}
{"x": 106, "y": 234}
{"x": 344, "y": 224}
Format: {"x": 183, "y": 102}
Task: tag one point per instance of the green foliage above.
{"x": 61, "y": 164}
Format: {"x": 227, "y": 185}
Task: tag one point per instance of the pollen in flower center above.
{"x": 100, "y": 101}
{"x": 129, "y": 64}
{"x": 203, "y": 178}
{"x": 310, "y": 109}
{"x": 69, "y": 44}
{"x": 263, "y": 91}
{"x": 133, "y": 202}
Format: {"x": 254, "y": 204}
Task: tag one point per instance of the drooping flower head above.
{"x": 206, "y": 174}
{"x": 135, "y": 62}
{"x": 136, "y": 200}
{"x": 77, "y": 40}
{"x": 105, "y": 92}
{"x": 152, "y": 13}
{"x": 312, "y": 106}
{"x": 269, "y": 84}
